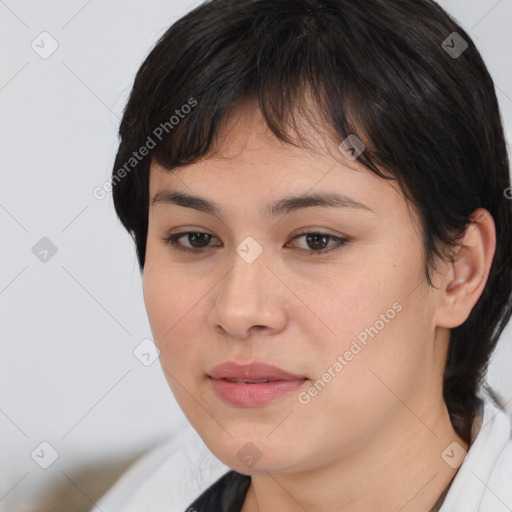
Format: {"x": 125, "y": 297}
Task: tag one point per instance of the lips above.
{"x": 251, "y": 373}
{"x": 253, "y": 385}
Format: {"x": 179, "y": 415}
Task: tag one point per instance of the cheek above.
{"x": 170, "y": 310}
{"x": 353, "y": 297}
{"x": 171, "y": 315}
{"x": 377, "y": 328}
{"x": 346, "y": 308}
{"x": 376, "y": 359}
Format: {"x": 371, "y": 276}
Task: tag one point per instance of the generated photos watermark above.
{"x": 166, "y": 127}
{"x": 304, "y": 397}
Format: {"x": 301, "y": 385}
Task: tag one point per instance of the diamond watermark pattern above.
{"x": 44, "y": 250}
{"x": 44, "y": 455}
{"x": 352, "y": 147}
{"x": 249, "y": 454}
{"x": 146, "y": 352}
{"x": 454, "y": 45}
{"x": 45, "y": 45}
{"x": 453, "y": 455}
{"x": 249, "y": 249}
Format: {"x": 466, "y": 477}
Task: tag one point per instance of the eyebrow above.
{"x": 279, "y": 207}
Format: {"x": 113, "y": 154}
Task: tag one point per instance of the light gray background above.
{"x": 69, "y": 326}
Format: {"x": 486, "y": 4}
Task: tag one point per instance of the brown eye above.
{"x": 198, "y": 240}
{"x": 318, "y": 243}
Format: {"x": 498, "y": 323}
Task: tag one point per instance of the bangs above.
{"x": 295, "y": 70}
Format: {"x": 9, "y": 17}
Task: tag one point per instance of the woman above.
{"x": 316, "y": 190}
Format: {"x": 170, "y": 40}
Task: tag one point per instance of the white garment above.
{"x": 173, "y": 474}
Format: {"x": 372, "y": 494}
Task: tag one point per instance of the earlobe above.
{"x": 464, "y": 283}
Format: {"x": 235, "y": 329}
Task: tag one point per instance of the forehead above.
{"x": 248, "y": 160}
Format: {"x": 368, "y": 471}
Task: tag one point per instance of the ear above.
{"x": 463, "y": 284}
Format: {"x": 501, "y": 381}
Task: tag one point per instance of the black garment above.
{"x": 227, "y": 494}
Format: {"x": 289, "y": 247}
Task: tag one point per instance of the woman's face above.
{"x": 353, "y": 322}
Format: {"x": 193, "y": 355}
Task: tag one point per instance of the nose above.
{"x": 250, "y": 298}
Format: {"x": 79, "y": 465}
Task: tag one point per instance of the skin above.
{"x": 372, "y": 439}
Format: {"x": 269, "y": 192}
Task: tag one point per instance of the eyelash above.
{"x": 173, "y": 241}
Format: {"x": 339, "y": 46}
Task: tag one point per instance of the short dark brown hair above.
{"x": 380, "y": 69}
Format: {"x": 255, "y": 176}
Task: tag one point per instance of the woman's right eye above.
{"x": 194, "y": 237}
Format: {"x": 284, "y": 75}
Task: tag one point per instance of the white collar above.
{"x": 483, "y": 482}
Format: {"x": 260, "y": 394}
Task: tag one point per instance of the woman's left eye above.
{"x": 319, "y": 242}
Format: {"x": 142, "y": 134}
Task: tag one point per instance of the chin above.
{"x": 256, "y": 458}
